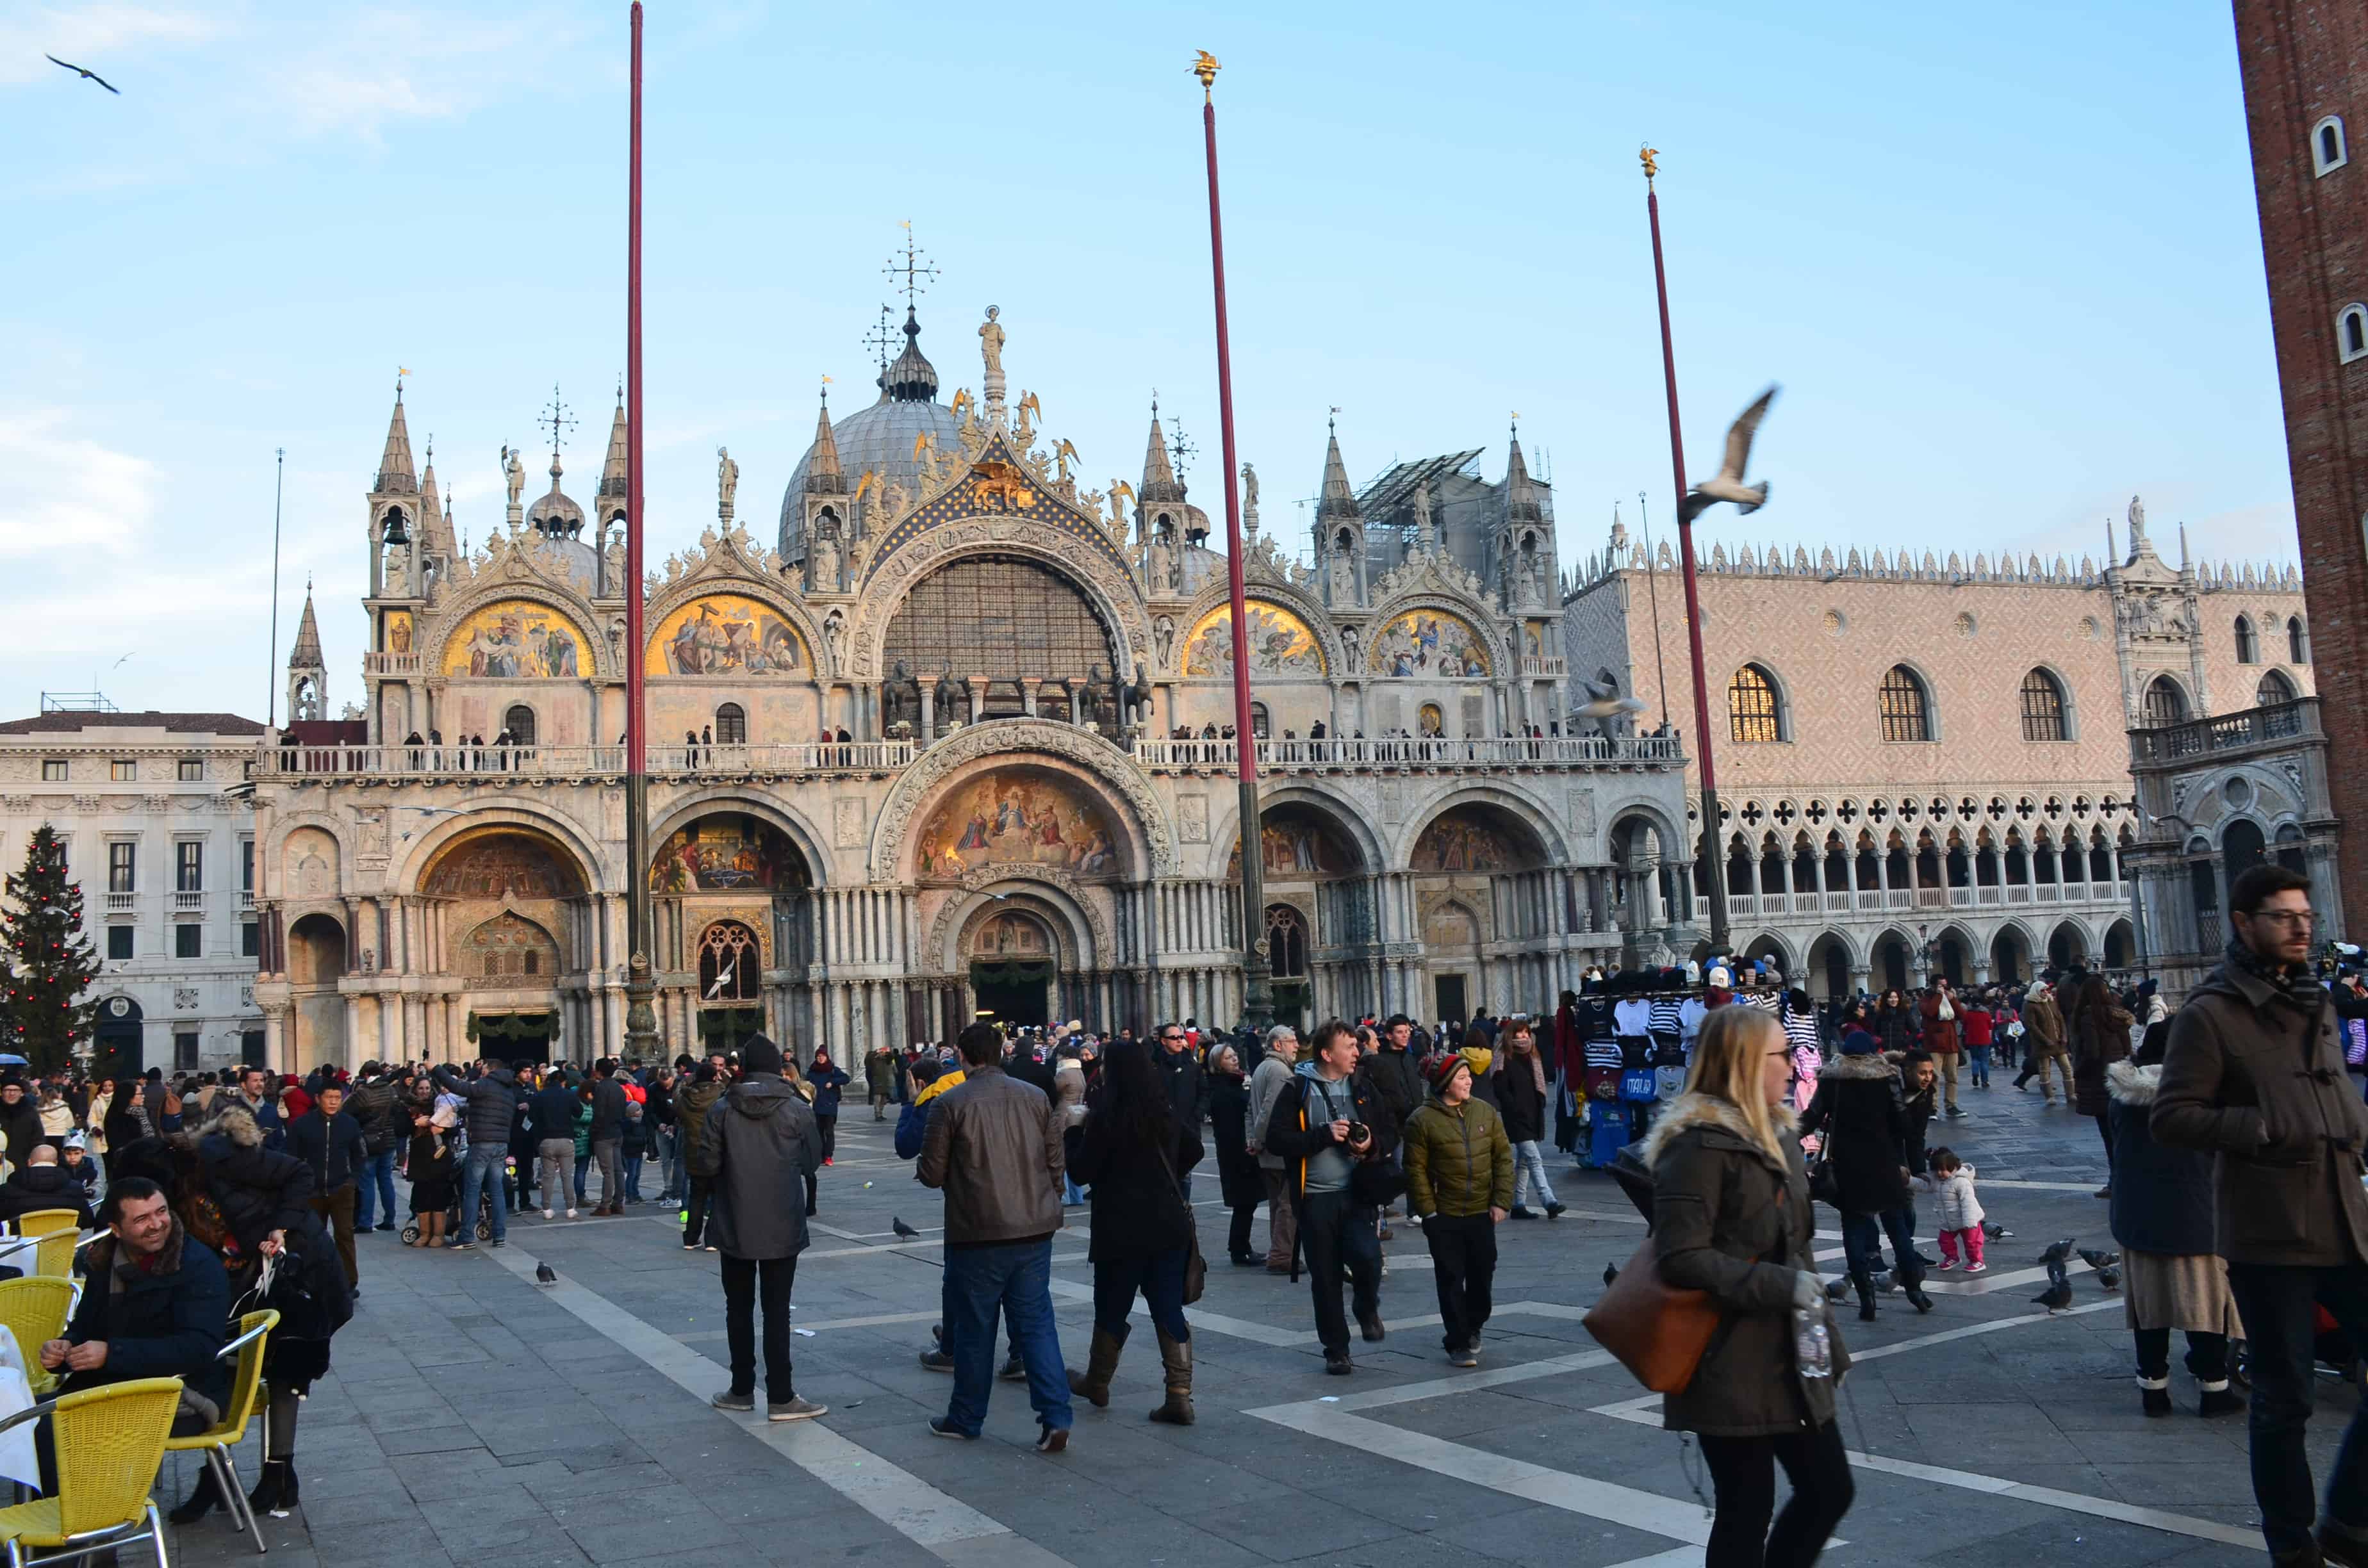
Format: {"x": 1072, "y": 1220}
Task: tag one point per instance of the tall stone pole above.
{"x": 641, "y": 991}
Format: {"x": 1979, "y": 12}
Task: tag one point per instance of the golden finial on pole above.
{"x": 1650, "y": 156}
{"x": 1205, "y": 67}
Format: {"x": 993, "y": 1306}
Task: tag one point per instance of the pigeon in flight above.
{"x": 543, "y": 1275}
{"x": 2056, "y": 1297}
{"x": 86, "y": 73}
{"x": 1727, "y": 485}
{"x": 1608, "y": 703}
{"x": 902, "y": 1229}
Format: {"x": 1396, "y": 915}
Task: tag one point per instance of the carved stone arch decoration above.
{"x": 508, "y": 952}
{"x": 1010, "y": 741}
{"x": 1531, "y": 814}
{"x": 1620, "y": 816}
{"x": 452, "y": 622}
{"x": 1054, "y": 898}
{"x": 1317, "y": 616}
{"x": 1486, "y": 623}
{"x": 425, "y": 852}
{"x": 1113, "y": 593}
{"x": 277, "y": 866}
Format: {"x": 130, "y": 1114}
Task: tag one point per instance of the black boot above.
{"x": 275, "y": 1490}
{"x": 202, "y": 1501}
{"x": 1863, "y": 1282}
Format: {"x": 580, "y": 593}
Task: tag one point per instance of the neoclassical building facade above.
{"x": 949, "y": 743}
{"x": 1925, "y": 766}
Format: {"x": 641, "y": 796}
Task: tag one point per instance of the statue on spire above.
{"x": 2137, "y": 524}
{"x": 513, "y": 474}
{"x": 990, "y": 341}
{"x": 727, "y": 482}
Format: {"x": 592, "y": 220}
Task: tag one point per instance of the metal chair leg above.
{"x": 235, "y": 1499}
{"x": 156, "y": 1534}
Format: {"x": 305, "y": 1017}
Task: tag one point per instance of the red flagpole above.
{"x": 641, "y": 993}
{"x": 1257, "y": 999}
{"x": 1713, "y": 870}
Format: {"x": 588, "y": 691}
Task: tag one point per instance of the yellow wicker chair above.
{"x": 55, "y": 1256}
{"x": 108, "y": 1441}
{"x": 34, "y": 1309}
{"x": 217, "y": 1442}
{"x": 48, "y": 1221}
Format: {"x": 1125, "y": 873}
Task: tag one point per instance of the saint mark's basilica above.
{"x": 951, "y": 740}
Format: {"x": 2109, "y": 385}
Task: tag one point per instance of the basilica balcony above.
{"x": 483, "y": 765}
{"x": 1544, "y": 669}
{"x": 393, "y": 665}
{"x": 1413, "y": 754}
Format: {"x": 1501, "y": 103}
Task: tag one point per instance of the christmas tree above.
{"x": 49, "y": 963}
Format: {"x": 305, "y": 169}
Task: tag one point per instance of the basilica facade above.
{"x": 1925, "y": 765}
{"x": 955, "y": 739}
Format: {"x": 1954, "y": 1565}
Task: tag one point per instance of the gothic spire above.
{"x": 823, "y": 475}
{"x": 429, "y": 505}
{"x": 614, "y": 472}
{"x": 395, "y": 475}
{"x": 1336, "y": 501}
{"x": 306, "y": 654}
{"x": 1158, "y": 476}
{"x": 1520, "y": 493}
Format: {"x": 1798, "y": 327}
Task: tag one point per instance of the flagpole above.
{"x": 271, "y": 675}
{"x": 1714, "y": 867}
{"x": 641, "y": 991}
{"x": 1258, "y": 990}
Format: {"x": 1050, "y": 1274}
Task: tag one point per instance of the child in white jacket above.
{"x": 1961, "y": 1211}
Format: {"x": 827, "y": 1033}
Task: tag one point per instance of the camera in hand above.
{"x": 1359, "y": 1133}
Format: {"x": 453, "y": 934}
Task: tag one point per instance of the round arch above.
{"x": 1472, "y": 612}
{"x": 1113, "y": 593}
{"x": 1337, "y": 812}
{"x": 1024, "y": 742}
{"x": 493, "y": 589}
{"x": 527, "y": 817}
{"x": 719, "y": 576}
{"x": 1624, "y": 819}
{"x": 1317, "y": 616}
{"x": 1520, "y": 808}
{"x": 2121, "y": 947}
{"x": 688, "y": 809}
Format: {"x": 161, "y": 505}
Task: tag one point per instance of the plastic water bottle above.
{"x": 1812, "y": 1347}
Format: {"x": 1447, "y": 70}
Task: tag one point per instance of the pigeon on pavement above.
{"x": 903, "y": 1229}
{"x": 543, "y": 1275}
{"x": 2096, "y": 1259}
{"x": 2056, "y": 1297}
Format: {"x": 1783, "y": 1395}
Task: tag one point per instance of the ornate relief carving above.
{"x": 1008, "y": 740}
{"x": 1582, "y": 813}
{"x": 1192, "y": 818}
{"x": 846, "y": 825}
{"x": 963, "y": 910}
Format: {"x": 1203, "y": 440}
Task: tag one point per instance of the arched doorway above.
{"x": 1313, "y": 867}
{"x": 1013, "y": 960}
{"x": 1893, "y": 962}
{"x": 733, "y": 904}
{"x": 511, "y": 908}
{"x": 117, "y": 1051}
{"x": 1479, "y": 859}
{"x": 1830, "y": 967}
{"x": 1952, "y": 958}
{"x": 2067, "y": 945}
{"x": 316, "y": 1015}
{"x": 2009, "y": 957}
{"x": 2242, "y": 847}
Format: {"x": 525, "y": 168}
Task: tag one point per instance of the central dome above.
{"x": 879, "y": 438}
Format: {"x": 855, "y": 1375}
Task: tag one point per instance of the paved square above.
{"x": 473, "y": 1414}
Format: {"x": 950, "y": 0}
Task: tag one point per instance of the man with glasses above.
{"x": 2255, "y": 1075}
{"x": 1187, "y": 1091}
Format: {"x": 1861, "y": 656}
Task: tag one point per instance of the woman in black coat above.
{"x": 1131, "y": 1152}
{"x": 1858, "y": 1107}
{"x": 1238, "y": 1168}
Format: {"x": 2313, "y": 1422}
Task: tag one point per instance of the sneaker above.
{"x": 1555, "y": 1210}
{"x": 938, "y": 1360}
{"x": 1977, "y": 1269}
{"x": 943, "y": 1426}
{"x": 1052, "y": 1439}
{"x": 1371, "y": 1328}
{"x": 1338, "y": 1365}
{"x": 571, "y": 1213}
{"x": 710, "y": 1246}
{"x": 794, "y": 1409}
{"x": 1946, "y": 1265}
{"x": 546, "y": 1213}
{"x": 1013, "y": 1371}
{"x": 730, "y": 1400}
{"x": 464, "y": 1246}
{"x": 1467, "y": 1356}
{"x": 826, "y": 1162}
{"x": 1954, "y": 1114}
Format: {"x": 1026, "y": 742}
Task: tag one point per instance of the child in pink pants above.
{"x": 1961, "y": 1212}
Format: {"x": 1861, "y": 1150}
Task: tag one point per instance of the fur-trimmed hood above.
{"x": 2133, "y": 1085}
{"x": 1860, "y": 1067}
{"x": 1690, "y": 1111}
{"x": 234, "y": 1123}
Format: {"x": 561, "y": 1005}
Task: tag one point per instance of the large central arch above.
{"x": 1061, "y": 749}
{"x": 1113, "y": 595}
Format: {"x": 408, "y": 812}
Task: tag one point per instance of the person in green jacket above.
{"x": 1459, "y": 1167}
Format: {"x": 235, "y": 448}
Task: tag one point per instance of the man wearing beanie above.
{"x": 1459, "y": 1167}
{"x": 994, "y": 1147}
{"x": 760, "y": 1147}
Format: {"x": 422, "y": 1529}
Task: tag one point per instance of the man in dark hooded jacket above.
{"x": 760, "y": 1147}
{"x": 492, "y": 1097}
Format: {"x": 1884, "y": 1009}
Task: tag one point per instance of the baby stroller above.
{"x": 2338, "y": 1360}
{"x": 486, "y": 1199}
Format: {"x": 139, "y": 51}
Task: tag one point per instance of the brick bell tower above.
{"x": 2305, "y": 66}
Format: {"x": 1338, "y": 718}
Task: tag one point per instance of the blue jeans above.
{"x": 1530, "y": 1167}
{"x": 376, "y": 1185}
{"x": 633, "y": 1164}
{"x": 677, "y": 1183}
{"x": 1977, "y": 1057}
{"x": 582, "y": 1164}
{"x": 2281, "y": 1331}
{"x": 982, "y": 1284}
{"x": 481, "y": 1171}
{"x": 1862, "y": 1244}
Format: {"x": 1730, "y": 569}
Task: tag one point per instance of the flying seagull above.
{"x": 1728, "y": 484}
{"x": 85, "y": 72}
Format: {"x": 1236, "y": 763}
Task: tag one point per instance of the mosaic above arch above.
{"x": 1279, "y": 643}
{"x": 1428, "y": 642}
{"x": 727, "y": 853}
{"x": 728, "y": 634}
{"x": 1465, "y": 840}
{"x": 516, "y": 638}
{"x": 1018, "y": 816}
{"x": 501, "y": 865}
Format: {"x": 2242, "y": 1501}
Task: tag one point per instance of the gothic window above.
{"x": 1753, "y": 712}
{"x": 2042, "y": 708}
{"x": 1033, "y": 620}
{"x": 2352, "y": 331}
{"x": 2328, "y": 152}
{"x": 2249, "y": 647}
{"x": 2297, "y": 641}
{"x": 1286, "y": 941}
{"x": 2165, "y": 704}
{"x": 729, "y": 963}
{"x": 1906, "y": 706}
{"x": 519, "y": 723}
{"x": 1258, "y": 720}
{"x": 731, "y": 725}
{"x": 2274, "y": 688}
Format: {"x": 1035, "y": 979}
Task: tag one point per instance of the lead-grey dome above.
{"x": 879, "y": 438}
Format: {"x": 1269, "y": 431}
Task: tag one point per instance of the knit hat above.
{"x": 758, "y": 1054}
{"x": 1441, "y": 1070}
{"x": 1857, "y": 1042}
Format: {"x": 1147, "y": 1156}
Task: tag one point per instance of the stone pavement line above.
{"x": 938, "y": 1523}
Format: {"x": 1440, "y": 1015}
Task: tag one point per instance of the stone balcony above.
{"x": 2226, "y": 735}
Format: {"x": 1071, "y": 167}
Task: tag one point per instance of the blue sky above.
{"x": 2004, "y": 262}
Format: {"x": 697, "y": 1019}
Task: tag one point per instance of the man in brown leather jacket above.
{"x": 2255, "y": 1075}
{"x": 994, "y": 1147}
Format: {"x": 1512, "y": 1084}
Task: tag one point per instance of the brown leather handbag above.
{"x": 1659, "y": 1333}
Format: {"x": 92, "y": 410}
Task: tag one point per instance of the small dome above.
{"x": 879, "y": 438}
